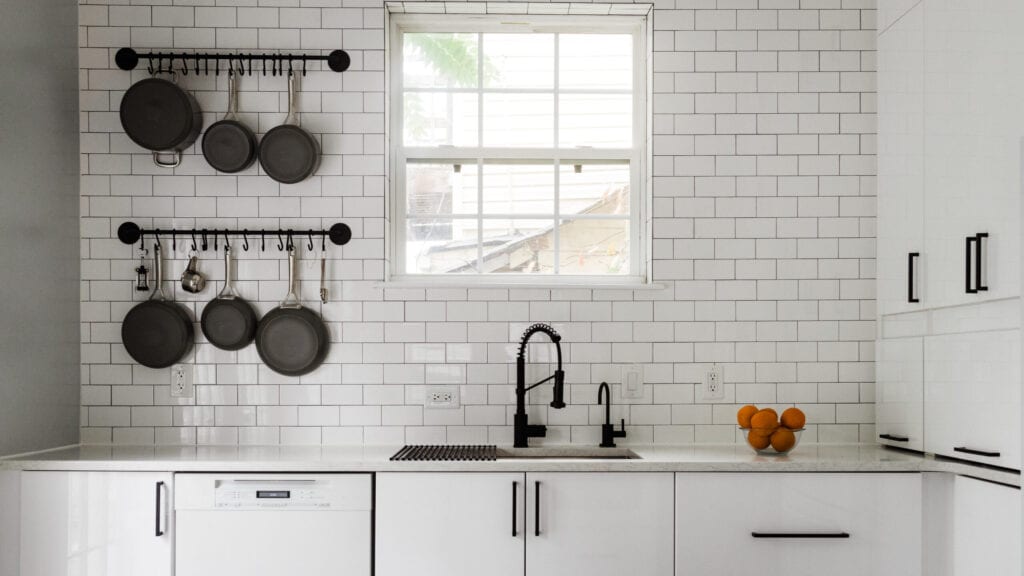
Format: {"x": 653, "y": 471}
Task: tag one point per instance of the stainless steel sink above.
{"x": 566, "y": 453}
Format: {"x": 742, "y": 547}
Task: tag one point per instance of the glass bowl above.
{"x": 769, "y": 451}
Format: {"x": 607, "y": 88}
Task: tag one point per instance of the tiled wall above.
{"x": 764, "y": 203}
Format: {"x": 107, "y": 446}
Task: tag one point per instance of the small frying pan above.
{"x": 292, "y": 340}
{"x": 228, "y": 145}
{"x": 158, "y": 332}
{"x": 288, "y": 153}
{"x": 228, "y": 321}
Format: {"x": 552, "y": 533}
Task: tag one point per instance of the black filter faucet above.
{"x": 608, "y": 431}
{"x": 523, "y": 429}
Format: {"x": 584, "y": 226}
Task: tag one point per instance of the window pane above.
{"x": 438, "y": 118}
{"x": 439, "y": 60}
{"x": 437, "y": 189}
{"x": 595, "y": 120}
{"x": 594, "y": 247}
{"x": 518, "y": 246}
{"x": 593, "y": 188}
{"x": 519, "y": 188}
{"x": 440, "y": 246}
{"x": 519, "y": 60}
{"x": 519, "y": 120}
{"x": 589, "y": 61}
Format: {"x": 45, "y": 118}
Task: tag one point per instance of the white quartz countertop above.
{"x": 684, "y": 458}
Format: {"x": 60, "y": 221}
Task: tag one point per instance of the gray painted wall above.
{"x": 39, "y": 244}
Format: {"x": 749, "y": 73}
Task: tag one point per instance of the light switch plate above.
{"x": 633, "y": 381}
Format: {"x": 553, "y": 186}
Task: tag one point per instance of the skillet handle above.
{"x": 291, "y": 300}
{"x": 158, "y": 269}
{"x": 175, "y": 164}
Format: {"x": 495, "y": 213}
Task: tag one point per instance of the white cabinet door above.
{"x": 901, "y": 164}
{"x": 974, "y": 124}
{"x": 972, "y": 396}
{"x": 986, "y": 528}
{"x": 96, "y": 524}
{"x": 599, "y": 524}
{"x": 798, "y": 524}
{"x": 457, "y": 524}
{"x": 899, "y": 392}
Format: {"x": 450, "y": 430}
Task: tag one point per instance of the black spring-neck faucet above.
{"x": 523, "y": 430}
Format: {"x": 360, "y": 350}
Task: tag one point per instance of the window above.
{"x": 517, "y": 148}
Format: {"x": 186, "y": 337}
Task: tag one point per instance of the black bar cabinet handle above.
{"x": 974, "y": 452}
{"x": 536, "y": 508}
{"x": 969, "y": 287}
{"x": 911, "y": 278}
{"x": 980, "y": 277}
{"x": 515, "y": 495}
{"x": 802, "y": 535}
{"x": 159, "y": 497}
{"x": 894, "y": 438}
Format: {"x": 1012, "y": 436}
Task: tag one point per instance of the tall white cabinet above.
{"x": 951, "y": 144}
{"x": 96, "y": 524}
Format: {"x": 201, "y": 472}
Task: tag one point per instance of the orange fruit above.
{"x": 766, "y": 419}
{"x": 783, "y": 440}
{"x": 794, "y": 418}
{"x": 759, "y": 439}
{"x": 744, "y": 415}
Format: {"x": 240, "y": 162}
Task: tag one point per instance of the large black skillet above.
{"x": 157, "y": 333}
{"x": 291, "y": 339}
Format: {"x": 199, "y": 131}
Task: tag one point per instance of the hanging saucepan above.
{"x": 159, "y": 116}
{"x": 292, "y": 340}
{"x": 157, "y": 333}
{"x": 288, "y": 153}
{"x": 228, "y": 321}
{"x": 230, "y": 146}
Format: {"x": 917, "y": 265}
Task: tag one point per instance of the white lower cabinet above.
{"x": 972, "y": 396}
{"x": 96, "y": 524}
{"x": 986, "y": 528}
{"x": 798, "y": 524}
{"x": 468, "y": 524}
{"x": 599, "y": 524}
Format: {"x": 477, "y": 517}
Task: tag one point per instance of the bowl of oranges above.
{"x": 767, "y": 432}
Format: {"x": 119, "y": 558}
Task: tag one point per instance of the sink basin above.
{"x": 566, "y": 453}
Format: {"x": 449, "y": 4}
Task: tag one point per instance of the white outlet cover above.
{"x": 441, "y": 397}
{"x": 182, "y": 381}
{"x": 632, "y": 381}
{"x": 714, "y": 384}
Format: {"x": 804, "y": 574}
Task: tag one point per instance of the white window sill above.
{"x": 558, "y": 283}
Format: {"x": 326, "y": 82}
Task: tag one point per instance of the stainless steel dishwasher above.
{"x": 273, "y": 524}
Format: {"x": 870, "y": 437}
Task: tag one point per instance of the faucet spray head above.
{"x": 558, "y": 400}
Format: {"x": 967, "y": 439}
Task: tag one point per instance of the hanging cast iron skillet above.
{"x": 292, "y": 340}
{"x": 159, "y": 116}
{"x": 288, "y": 153}
{"x": 157, "y": 333}
{"x": 230, "y": 146}
{"x": 228, "y": 321}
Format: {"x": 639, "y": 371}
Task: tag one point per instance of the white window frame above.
{"x": 638, "y": 155}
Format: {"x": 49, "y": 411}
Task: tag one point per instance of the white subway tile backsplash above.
{"x": 763, "y": 225}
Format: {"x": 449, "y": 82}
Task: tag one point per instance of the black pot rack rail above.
{"x": 339, "y": 234}
{"x": 277, "y": 64}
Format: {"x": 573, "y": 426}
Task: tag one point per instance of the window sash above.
{"x": 634, "y": 156}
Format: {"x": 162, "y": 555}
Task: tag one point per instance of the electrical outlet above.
{"x": 181, "y": 381}
{"x": 441, "y": 397}
{"x": 714, "y": 384}
{"x": 632, "y": 381}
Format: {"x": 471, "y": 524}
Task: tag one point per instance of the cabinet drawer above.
{"x": 972, "y": 396}
{"x": 873, "y": 524}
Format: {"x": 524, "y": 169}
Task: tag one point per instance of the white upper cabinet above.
{"x": 901, "y": 164}
{"x": 96, "y": 524}
{"x": 973, "y": 129}
{"x": 899, "y": 392}
{"x": 972, "y": 396}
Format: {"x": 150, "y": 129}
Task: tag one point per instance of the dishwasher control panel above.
{"x": 323, "y": 492}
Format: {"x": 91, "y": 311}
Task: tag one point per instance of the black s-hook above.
{"x": 245, "y": 239}
{"x": 309, "y": 246}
